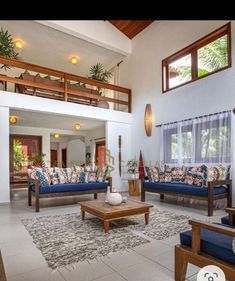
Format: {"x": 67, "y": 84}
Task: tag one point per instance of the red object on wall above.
{"x": 141, "y": 167}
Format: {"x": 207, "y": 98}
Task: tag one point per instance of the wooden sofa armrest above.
{"x": 230, "y": 210}
{"x": 34, "y": 181}
{"x": 231, "y": 215}
{"x": 196, "y": 231}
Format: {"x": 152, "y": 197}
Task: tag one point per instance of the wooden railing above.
{"x": 62, "y": 90}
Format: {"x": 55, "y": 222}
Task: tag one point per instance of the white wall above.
{"x": 142, "y": 73}
{"x": 4, "y": 159}
{"x": 31, "y": 103}
{"x": 54, "y": 145}
{"x": 113, "y": 131}
{"x": 75, "y": 152}
{"x": 98, "y": 32}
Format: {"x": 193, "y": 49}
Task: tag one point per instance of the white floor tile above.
{"x": 110, "y": 277}
{"x": 119, "y": 261}
{"x": 147, "y": 271}
{"x": 153, "y": 249}
{"x": 85, "y": 271}
{"x": 42, "y": 274}
{"x": 24, "y": 262}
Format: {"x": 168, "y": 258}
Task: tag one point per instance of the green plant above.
{"x": 97, "y": 72}
{"x": 19, "y": 158}
{"x": 38, "y": 160}
{"x": 7, "y": 48}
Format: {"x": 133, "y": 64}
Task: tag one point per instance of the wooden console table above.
{"x": 134, "y": 187}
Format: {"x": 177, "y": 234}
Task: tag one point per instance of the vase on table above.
{"x": 115, "y": 198}
{"x": 107, "y": 195}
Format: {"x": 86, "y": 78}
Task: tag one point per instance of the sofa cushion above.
{"x": 212, "y": 243}
{"x": 68, "y": 187}
{"x": 184, "y": 188}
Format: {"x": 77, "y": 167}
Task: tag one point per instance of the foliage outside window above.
{"x": 206, "y": 56}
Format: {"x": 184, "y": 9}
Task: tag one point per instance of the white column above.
{"x": 113, "y": 131}
{"x": 5, "y": 156}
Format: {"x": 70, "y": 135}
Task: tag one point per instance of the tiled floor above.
{"x": 151, "y": 262}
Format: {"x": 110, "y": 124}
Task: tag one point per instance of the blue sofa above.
{"x": 35, "y": 189}
{"x": 206, "y": 244}
{"x": 215, "y": 191}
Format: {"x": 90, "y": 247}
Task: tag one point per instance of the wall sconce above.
{"x": 148, "y": 120}
{"x": 56, "y": 136}
{"x": 77, "y": 126}
{"x": 13, "y": 119}
{"x": 18, "y": 44}
{"x": 74, "y": 60}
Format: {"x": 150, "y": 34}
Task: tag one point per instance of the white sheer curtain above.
{"x": 200, "y": 140}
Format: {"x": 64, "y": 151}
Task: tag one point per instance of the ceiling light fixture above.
{"x": 13, "y": 119}
{"x": 56, "y": 136}
{"x": 18, "y": 44}
{"x": 74, "y": 60}
{"x": 77, "y": 126}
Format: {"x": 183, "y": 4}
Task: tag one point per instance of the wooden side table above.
{"x": 134, "y": 187}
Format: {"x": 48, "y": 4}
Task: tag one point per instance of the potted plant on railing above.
{"x": 97, "y": 72}
{"x": 7, "y": 49}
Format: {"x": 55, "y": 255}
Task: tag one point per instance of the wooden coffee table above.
{"x": 107, "y": 212}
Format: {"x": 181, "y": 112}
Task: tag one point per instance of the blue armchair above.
{"x": 206, "y": 244}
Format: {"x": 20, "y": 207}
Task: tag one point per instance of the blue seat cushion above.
{"x": 224, "y": 220}
{"x": 68, "y": 187}
{"x": 184, "y": 188}
{"x": 212, "y": 243}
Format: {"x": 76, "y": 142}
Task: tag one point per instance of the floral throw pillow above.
{"x": 218, "y": 172}
{"x": 54, "y": 178}
{"x": 101, "y": 174}
{"x": 196, "y": 176}
{"x": 178, "y": 174}
{"x": 152, "y": 173}
{"x": 42, "y": 178}
{"x": 61, "y": 175}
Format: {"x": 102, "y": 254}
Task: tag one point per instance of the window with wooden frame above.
{"x": 204, "y": 57}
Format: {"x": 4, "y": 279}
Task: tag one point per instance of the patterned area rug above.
{"x": 162, "y": 224}
{"x": 65, "y": 239}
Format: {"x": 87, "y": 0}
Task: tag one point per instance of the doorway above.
{"x": 100, "y": 154}
{"x": 54, "y": 158}
{"x": 64, "y": 157}
{"x": 22, "y": 149}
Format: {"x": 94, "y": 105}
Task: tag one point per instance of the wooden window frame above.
{"x": 192, "y": 50}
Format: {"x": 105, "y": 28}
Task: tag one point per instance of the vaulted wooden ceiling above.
{"x": 131, "y": 27}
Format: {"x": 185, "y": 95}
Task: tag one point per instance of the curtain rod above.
{"x": 159, "y": 125}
